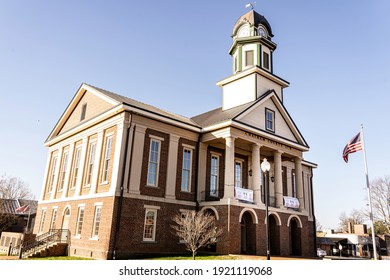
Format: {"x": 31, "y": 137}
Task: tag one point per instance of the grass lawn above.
{"x": 58, "y": 258}
{"x": 198, "y": 257}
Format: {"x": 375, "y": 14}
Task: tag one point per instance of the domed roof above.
{"x": 254, "y": 19}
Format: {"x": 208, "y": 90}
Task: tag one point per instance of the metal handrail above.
{"x": 44, "y": 240}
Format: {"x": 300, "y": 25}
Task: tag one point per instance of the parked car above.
{"x": 321, "y": 253}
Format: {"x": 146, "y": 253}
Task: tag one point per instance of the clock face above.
{"x": 261, "y": 31}
{"x": 243, "y": 32}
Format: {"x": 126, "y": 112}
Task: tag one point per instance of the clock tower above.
{"x": 252, "y": 53}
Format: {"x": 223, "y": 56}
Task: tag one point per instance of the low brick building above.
{"x": 118, "y": 170}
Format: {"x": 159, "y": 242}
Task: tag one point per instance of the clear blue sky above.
{"x": 170, "y": 54}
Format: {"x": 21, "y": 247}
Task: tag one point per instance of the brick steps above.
{"x": 54, "y": 250}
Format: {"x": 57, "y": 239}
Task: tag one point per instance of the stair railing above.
{"x": 43, "y": 241}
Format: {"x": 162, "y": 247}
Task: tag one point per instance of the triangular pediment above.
{"x": 87, "y": 104}
{"x": 284, "y": 127}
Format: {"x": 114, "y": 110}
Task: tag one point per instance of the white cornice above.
{"x": 250, "y": 71}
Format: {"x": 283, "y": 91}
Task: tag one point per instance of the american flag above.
{"x": 354, "y": 145}
{"x": 23, "y": 209}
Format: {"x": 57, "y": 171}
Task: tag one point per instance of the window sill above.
{"x": 77, "y": 237}
{"x": 149, "y": 241}
{"x": 95, "y": 238}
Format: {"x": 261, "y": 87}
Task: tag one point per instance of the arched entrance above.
{"x": 65, "y": 224}
{"x": 295, "y": 238}
{"x": 211, "y": 247}
{"x": 248, "y": 234}
{"x": 274, "y": 235}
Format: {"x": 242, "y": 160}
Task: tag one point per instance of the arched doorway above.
{"x": 248, "y": 234}
{"x": 65, "y": 224}
{"x": 213, "y": 246}
{"x": 295, "y": 238}
{"x": 274, "y": 236}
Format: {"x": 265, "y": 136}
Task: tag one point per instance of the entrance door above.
{"x": 295, "y": 237}
{"x": 65, "y": 225}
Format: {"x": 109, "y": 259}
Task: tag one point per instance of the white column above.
{"x": 229, "y": 168}
{"x": 278, "y": 178}
{"x": 299, "y": 181}
{"x": 136, "y": 161}
{"x": 170, "y": 191}
{"x": 119, "y": 166}
{"x": 44, "y": 184}
{"x": 256, "y": 183}
{"x": 201, "y": 196}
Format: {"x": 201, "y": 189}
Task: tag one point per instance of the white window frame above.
{"x": 76, "y": 167}
{"x": 96, "y": 221}
{"x": 186, "y": 149}
{"x": 216, "y": 175}
{"x": 267, "y": 121}
{"x": 107, "y": 157}
{"x": 90, "y": 163}
{"x": 42, "y": 222}
{"x": 157, "y": 163}
{"x": 64, "y": 167}
{"x": 241, "y": 163}
{"x": 152, "y": 238}
{"x": 52, "y": 173}
{"x": 53, "y": 218}
{"x": 80, "y": 221}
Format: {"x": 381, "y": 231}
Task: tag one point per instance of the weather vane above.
{"x": 251, "y": 5}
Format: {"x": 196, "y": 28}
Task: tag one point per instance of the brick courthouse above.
{"x": 118, "y": 170}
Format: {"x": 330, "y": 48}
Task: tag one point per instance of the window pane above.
{"x": 214, "y": 175}
{"x": 265, "y": 60}
{"x": 238, "y": 175}
{"x": 96, "y": 228}
{"x": 149, "y": 225}
{"x": 248, "y": 58}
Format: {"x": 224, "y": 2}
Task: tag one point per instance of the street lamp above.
{"x": 265, "y": 167}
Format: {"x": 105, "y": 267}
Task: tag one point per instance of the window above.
{"x": 150, "y": 225}
{"x": 52, "y": 174}
{"x": 107, "y": 158}
{"x": 91, "y": 159}
{"x": 293, "y": 183}
{"x": 186, "y": 170}
{"x": 53, "y": 219}
{"x": 214, "y": 179}
{"x": 83, "y": 111}
{"x": 80, "y": 219}
{"x": 266, "y": 60}
{"x": 42, "y": 223}
{"x": 269, "y": 120}
{"x": 154, "y": 159}
{"x": 235, "y": 64}
{"x": 63, "y": 171}
{"x": 248, "y": 58}
{"x": 238, "y": 174}
{"x": 76, "y": 167}
{"x": 96, "y": 221}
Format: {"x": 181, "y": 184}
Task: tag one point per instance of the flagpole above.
{"x": 369, "y": 195}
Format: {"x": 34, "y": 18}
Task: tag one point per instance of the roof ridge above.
{"x": 140, "y": 102}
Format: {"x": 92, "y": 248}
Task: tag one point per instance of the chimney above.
{"x": 360, "y": 229}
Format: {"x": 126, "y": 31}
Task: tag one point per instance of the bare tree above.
{"x": 11, "y": 188}
{"x": 14, "y": 188}
{"x": 380, "y": 201}
{"x": 196, "y": 229}
{"x": 356, "y": 217}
